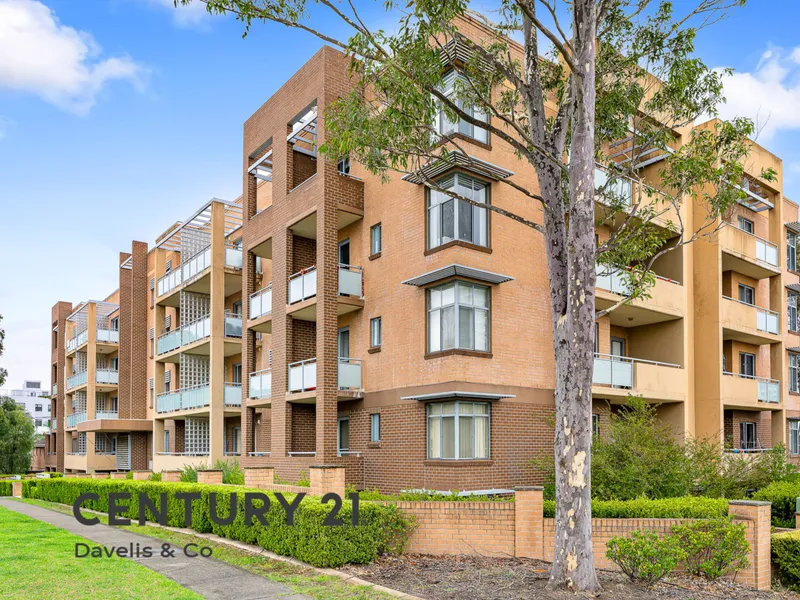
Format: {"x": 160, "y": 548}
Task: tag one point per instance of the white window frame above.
{"x": 468, "y": 187}
{"x": 375, "y": 427}
{"x": 437, "y": 411}
{"x": 444, "y": 126}
{"x": 794, "y": 372}
{"x": 791, "y": 312}
{"x": 747, "y": 291}
{"x": 743, "y": 427}
{"x": 747, "y": 225}
{"x": 376, "y": 238}
{"x": 791, "y": 251}
{"x": 794, "y": 436}
{"x": 436, "y": 310}
{"x": 339, "y": 422}
{"x": 375, "y": 332}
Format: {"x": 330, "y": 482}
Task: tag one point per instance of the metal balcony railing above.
{"x": 621, "y": 188}
{"x": 261, "y": 302}
{"x": 108, "y": 335}
{"x": 77, "y": 379}
{"x": 75, "y": 418}
{"x": 233, "y": 325}
{"x": 233, "y": 256}
{"x": 349, "y": 374}
{"x": 196, "y": 396}
{"x": 261, "y": 384}
{"x": 77, "y": 341}
{"x": 55, "y": 389}
{"x": 766, "y": 319}
{"x": 618, "y": 371}
{"x": 351, "y": 281}
{"x": 769, "y": 390}
{"x": 185, "y": 335}
{"x": 188, "y": 270}
{"x": 303, "y": 285}
{"x": 766, "y": 251}
{"x": 303, "y": 375}
{"x": 107, "y": 376}
{"x": 233, "y": 394}
{"x": 106, "y": 414}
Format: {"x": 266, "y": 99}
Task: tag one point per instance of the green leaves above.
{"x": 644, "y": 557}
{"x": 16, "y": 437}
{"x": 714, "y": 548}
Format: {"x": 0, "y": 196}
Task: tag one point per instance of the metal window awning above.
{"x": 457, "y": 51}
{"x": 127, "y": 263}
{"x": 794, "y": 349}
{"x": 793, "y": 226}
{"x": 457, "y": 395}
{"x": 457, "y": 159}
{"x": 200, "y": 221}
{"x": 304, "y": 133}
{"x": 262, "y": 168}
{"x": 455, "y": 270}
{"x": 795, "y": 287}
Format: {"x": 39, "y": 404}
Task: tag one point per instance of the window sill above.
{"x": 458, "y": 352}
{"x": 457, "y": 462}
{"x": 374, "y": 350}
{"x": 374, "y": 256}
{"x": 374, "y": 445}
{"x": 459, "y": 243}
{"x": 462, "y": 136}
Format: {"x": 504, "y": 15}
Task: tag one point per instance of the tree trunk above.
{"x": 573, "y": 333}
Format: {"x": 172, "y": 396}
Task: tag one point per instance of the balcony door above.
{"x": 617, "y": 346}
{"x": 747, "y": 294}
{"x": 343, "y": 435}
{"x": 747, "y": 435}
{"x": 344, "y": 252}
{"x": 344, "y": 342}
{"x": 747, "y": 364}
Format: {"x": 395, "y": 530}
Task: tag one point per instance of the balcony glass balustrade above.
{"x": 77, "y": 341}
{"x": 233, "y": 257}
{"x": 303, "y": 285}
{"x": 261, "y": 384}
{"x": 261, "y": 302}
{"x": 107, "y": 376}
{"x": 107, "y": 336}
{"x": 185, "y": 335}
{"x": 303, "y": 375}
{"x": 618, "y": 371}
{"x": 233, "y": 325}
{"x": 233, "y": 394}
{"x": 197, "y": 396}
{"x": 766, "y": 320}
{"x": 106, "y": 414}
{"x": 75, "y": 418}
{"x": 77, "y": 379}
{"x": 351, "y": 281}
{"x": 769, "y": 390}
{"x": 621, "y": 188}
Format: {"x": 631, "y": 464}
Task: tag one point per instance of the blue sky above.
{"x": 120, "y": 117}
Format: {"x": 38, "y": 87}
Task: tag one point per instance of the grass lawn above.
{"x": 37, "y": 560}
{"x": 302, "y": 580}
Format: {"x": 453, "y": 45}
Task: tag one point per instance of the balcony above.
{"x": 194, "y": 268}
{"x": 187, "y": 334}
{"x": 748, "y": 391}
{"x": 617, "y": 376}
{"x": 622, "y": 194}
{"x": 107, "y": 336}
{"x": 107, "y": 377}
{"x": 106, "y": 414}
{"x": 260, "y": 308}
{"x": 193, "y": 338}
{"x": 748, "y": 323}
{"x": 77, "y": 380}
{"x": 197, "y": 396}
{"x": 303, "y": 375}
{"x": 73, "y": 419}
{"x": 77, "y": 341}
{"x": 747, "y": 253}
{"x": 261, "y": 384}
{"x": 667, "y": 299}
{"x": 303, "y": 291}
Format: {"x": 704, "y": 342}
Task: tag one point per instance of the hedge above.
{"x": 689, "y": 507}
{"x": 382, "y": 529}
{"x": 5, "y": 488}
{"x": 786, "y": 553}
{"x": 783, "y": 495}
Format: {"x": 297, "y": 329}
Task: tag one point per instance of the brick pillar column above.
{"x": 213, "y": 477}
{"x": 96, "y": 475}
{"x": 256, "y": 477}
{"x": 119, "y": 475}
{"x": 141, "y": 475}
{"x": 16, "y": 489}
{"x": 171, "y": 476}
{"x": 529, "y": 522}
{"x": 325, "y": 479}
{"x": 759, "y": 514}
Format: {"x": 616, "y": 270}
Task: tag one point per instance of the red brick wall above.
{"x": 304, "y": 253}
{"x": 304, "y": 426}
{"x": 304, "y": 167}
{"x": 304, "y": 340}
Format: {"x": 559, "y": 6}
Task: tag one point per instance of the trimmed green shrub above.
{"x": 690, "y": 507}
{"x": 129, "y": 476}
{"x": 55, "y": 474}
{"x": 304, "y": 481}
{"x": 381, "y": 529}
{"x": 714, "y": 548}
{"x": 189, "y": 473}
{"x": 5, "y": 488}
{"x": 155, "y": 476}
{"x": 783, "y": 495}
{"x": 232, "y": 474}
{"x": 786, "y": 554}
{"x": 644, "y": 557}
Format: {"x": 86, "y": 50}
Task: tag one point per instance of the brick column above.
{"x": 213, "y": 477}
{"x": 529, "y": 522}
{"x": 759, "y": 514}
{"x": 326, "y": 478}
{"x": 16, "y": 489}
{"x": 216, "y": 382}
{"x": 171, "y": 476}
{"x": 141, "y": 475}
{"x": 256, "y": 477}
{"x": 119, "y": 475}
{"x": 99, "y": 475}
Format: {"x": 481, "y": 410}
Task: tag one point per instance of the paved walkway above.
{"x": 211, "y": 578}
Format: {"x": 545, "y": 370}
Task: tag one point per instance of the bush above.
{"x": 189, "y": 473}
{"x": 129, "y": 475}
{"x": 231, "y": 472}
{"x": 689, "y": 507}
{"x": 5, "y": 488}
{"x": 644, "y": 557}
{"x": 783, "y": 495}
{"x": 713, "y": 548}
{"x": 786, "y": 554}
{"x": 304, "y": 481}
{"x": 155, "y": 476}
{"x": 381, "y": 529}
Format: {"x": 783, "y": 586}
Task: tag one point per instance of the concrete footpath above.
{"x": 211, "y": 578}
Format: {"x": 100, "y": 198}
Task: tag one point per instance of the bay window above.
{"x": 458, "y": 430}
{"x": 454, "y": 83}
{"x": 458, "y": 317}
{"x": 452, "y": 219}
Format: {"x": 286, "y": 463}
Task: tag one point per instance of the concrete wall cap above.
{"x": 749, "y": 503}
{"x": 257, "y": 468}
{"x": 210, "y": 471}
{"x": 529, "y": 488}
{"x": 326, "y": 467}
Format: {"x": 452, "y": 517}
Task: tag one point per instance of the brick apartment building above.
{"x": 328, "y": 317}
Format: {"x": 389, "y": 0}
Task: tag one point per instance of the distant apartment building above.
{"x": 35, "y": 401}
{"x": 328, "y": 317}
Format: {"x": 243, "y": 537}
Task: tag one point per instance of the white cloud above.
{"x": 193, "y": 15}
{"x": 42, "y": 56}
{"x": 770, "y": 95}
